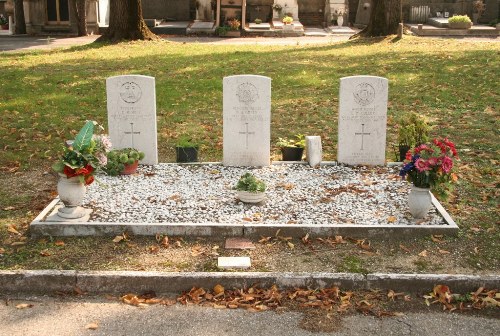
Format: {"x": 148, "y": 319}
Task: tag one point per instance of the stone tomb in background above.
{"x": 247, "y": 120}
{"x": 362, "y": 120}
{"x": 131, "y": 102}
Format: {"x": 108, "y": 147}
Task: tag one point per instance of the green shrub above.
{"x": 249, "y": 182}
{"x": 459, "y": 18}
{"x": 298, "y": 141}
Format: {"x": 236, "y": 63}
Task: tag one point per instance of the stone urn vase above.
{"x": 251, "y": 197}
{"x": 71, "y": 193}
{"x": 340, "y": 21}
{"x": 419, "y": 201}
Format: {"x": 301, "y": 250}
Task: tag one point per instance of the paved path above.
{"x": 70, "y": 316}
{"x": 26, "y": 43}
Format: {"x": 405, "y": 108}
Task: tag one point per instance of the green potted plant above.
{"x": 234, "y": 28}
{"x": 123, "y": 161}
{"x": 287, "y": 20}
{"x": 186, "y": 150}
{"x": 76, "y": 167}
{"x": 293, "y": 148}
{"x": 257, "y": 21}
{"x": 222, "y": 30}
{"x": 459, "y": 22}
{"x": 4, "y": 22}
{"x": 250, "y": 189}
{"x": 429, "y": 167}
{"x": 413, "y": 130}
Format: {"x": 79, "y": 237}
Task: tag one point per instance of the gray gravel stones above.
{"x": 296, "y": 194}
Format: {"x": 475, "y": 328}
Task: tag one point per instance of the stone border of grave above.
{"x": 41, "y": 227}
{"x": 100, "y": 282}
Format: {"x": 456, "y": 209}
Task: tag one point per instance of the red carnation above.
{"x": 69, "y": 172}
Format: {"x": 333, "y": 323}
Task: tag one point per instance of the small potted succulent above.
{"x": 123, "y": 161}
{"x": 250, "y": 189}
{"x": 186, "y": 150}
{"x": 459, "y": 22}
{"x": 413, "y": 130}
{"x": 293, "y": 148}
{"x": 429, "y": 167}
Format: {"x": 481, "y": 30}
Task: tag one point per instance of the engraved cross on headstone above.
{"x": 247, "y": 134}
{"x": 362, "y": 135}
{"x": 132, "y": 133}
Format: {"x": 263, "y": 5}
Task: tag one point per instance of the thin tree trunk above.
{"x": 384, "y": 19}
{"x": 79, "y": 8}
{"x": 126, "y": 22}
{"x": 19, "y": 17}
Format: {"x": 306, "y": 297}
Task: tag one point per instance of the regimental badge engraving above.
{"x": 364, "y": 94}
{"x": 130, "y": 92}
{"x": 247, "y": 93}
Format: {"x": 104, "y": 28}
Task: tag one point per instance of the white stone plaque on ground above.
{"x": 247, "y": 120}
{"x": 362, "y": 120}
{"x": 131, "y": 104}
{"x": 314, "y": 151}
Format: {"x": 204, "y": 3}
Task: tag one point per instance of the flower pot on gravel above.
{"x": 251, "y": 197}
{"x": 292, "y": 153}
{"x": 71, "y": 192}
{"x": 186, "y": 154}
{"x": 130, "y": 169}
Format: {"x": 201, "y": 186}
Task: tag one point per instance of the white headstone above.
{"x": 362, "y": 120}
{"x": 132, "y": 114}
{"x": 314, "y": 151}
{"x": 247, "y": 120}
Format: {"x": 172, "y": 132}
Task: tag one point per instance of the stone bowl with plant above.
{"x": 250, "y": 189}
{"x": 287, "y": 20}
{"x": 292, "y": 148}
{"x": 257, "y": 21}
{"x": 123, "y": 161}
{"x": 459, "y": 22}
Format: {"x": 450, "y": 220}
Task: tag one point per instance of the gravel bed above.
{"x": 296, "y": 194}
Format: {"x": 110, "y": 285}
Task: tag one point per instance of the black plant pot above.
{"x": 292, "y": 153}
{"x": 402, "y": 152}
{"x": 186, "y": 154}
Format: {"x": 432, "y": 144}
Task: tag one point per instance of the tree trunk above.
{"x": 126, "y": 22}
{"x": 79, "y": 8}
{"x": 19, "y": 17}
{"x": 384, "y": 19}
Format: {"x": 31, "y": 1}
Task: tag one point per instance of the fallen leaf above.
{"x": 2, "y": 250}
{"x": 290, "y": 245}
{"x": 423, "y": 253}
{"x": 404, "y": 248}
{"x": 218, "y": 289}
{"x": 391, "y": 219}
{"x": 118, "y": 239}
{"x": 443, "y": 251}
{"x": 164, "y": 241}
{"x": 476, "y": 250}
{"x": 435, "y": 238}
{"x": 18, "y": 243}
{"x": 59, "y": 243}
{"x": 305, "y": 239}
{"x": 45, "y": 253}
{"x": 475, "y": 229}
{"x": 178, "y": 243}
{"x": 12, "y": 229}
{"x": 24, "y": 305}
{"x": 153, "y": 249}
{"x": 92, "y": 326}
{"x": 9, "y": 208}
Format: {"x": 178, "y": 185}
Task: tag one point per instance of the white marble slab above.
{"x": 247, "y": 120}
{"x": 131, "y": 102}
{"x": 362, "y": 120}
{"x": 314, "y": 150}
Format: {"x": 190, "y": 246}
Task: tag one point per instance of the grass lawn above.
{"x": 47, "y": 96}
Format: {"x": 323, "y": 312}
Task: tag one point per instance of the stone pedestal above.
{"x": 204, "y": 11}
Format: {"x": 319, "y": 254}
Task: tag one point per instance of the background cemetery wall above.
{"x": 179, "y": 10}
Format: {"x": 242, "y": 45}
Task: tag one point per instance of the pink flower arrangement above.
{"x": 431, "y": 165}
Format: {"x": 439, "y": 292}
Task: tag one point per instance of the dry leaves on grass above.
{"x": 24, "y": 306}
{"x": 92, "y": 326}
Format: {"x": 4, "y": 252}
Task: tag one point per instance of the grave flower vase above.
{"x": 71, "y": 193}
{"x": 186, "y": 154}
{"x": 419, "y": 201}
{"x": 292, "y": 153}
{"x": 251, "y": 197}
{"x": 340, "y": 21}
